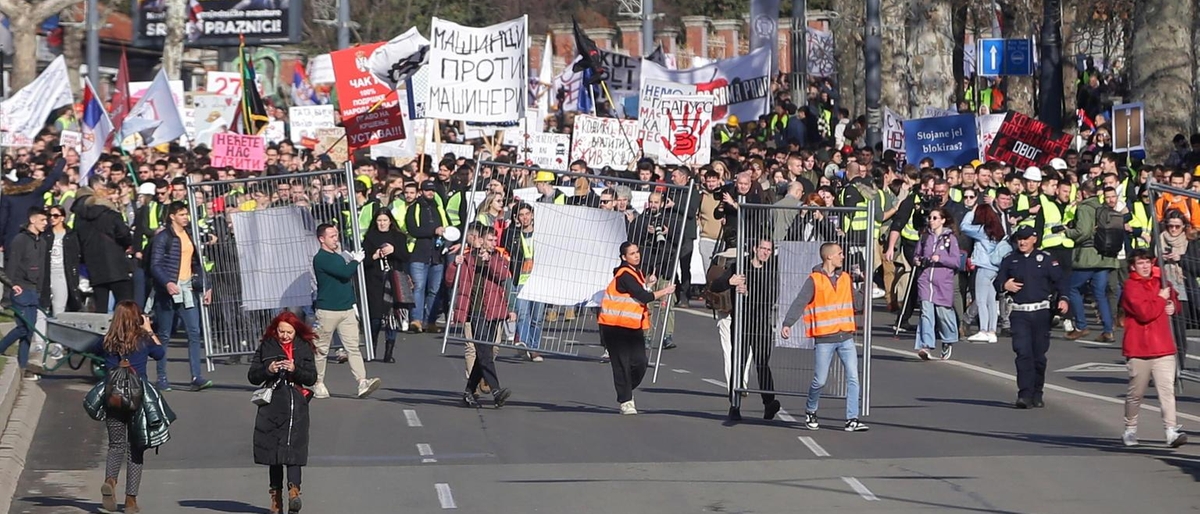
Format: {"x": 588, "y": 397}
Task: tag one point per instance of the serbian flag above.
{"x": 302, "y": 90}
{"x": 96, "y": 128}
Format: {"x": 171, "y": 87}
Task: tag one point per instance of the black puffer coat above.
{"x": 104, "y": 239}
{"x": 281, "y": 428}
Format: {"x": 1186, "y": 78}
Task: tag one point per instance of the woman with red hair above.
{"x": 285, "y": 363}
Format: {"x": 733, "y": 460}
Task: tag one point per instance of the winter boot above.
{"x": 293, "y": 498}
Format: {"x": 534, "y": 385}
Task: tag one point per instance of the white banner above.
{"x": 568, "y": 273}
{"x": 685, "y": 129}
{"x": 605, "y": 142}
{"x": 71, "y": 139}
{"x": 137, "y": 89}
{"x": 212, "y": 114}
{"x": 531, "y": 124}
{"x": 547, "y": 150}
{"x": 478, "y": 74}
{"x": 26, "y": 113}
{"x": 739, "y": 86}
{"x": 439, "y": 150}
{"x": 156, "y": 116}
{"x": 305, "y": 121}
{"x": 893, "y": 132}
{"x": 223, "y": 83}
{"x": 570, "y": 83}
{"x": 398, "y": 59}
{"x": 986, "y": 127}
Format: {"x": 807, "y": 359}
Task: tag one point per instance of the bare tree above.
{"x": 1162, "y": 69}
{"x": 24, "y": 16}
{"x": 172, "y": 59}
{"x": 74, "y": 32}
{"x": 931, "y": 52}
{"x": 1020, "y": 17}
{"x": 848, "y": 51}
{"x": 896, "y": 72}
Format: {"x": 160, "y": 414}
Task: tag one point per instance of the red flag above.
{"x": 121, "y": 102}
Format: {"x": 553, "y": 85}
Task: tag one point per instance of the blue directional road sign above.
{"x": 1005, "y": 57}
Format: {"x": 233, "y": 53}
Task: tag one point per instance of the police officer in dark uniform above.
{"x": 1036, "y": 283}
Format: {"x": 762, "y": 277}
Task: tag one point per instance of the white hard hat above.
{"x": 1058, "y": 164}
{"x": 147, "y": 188}
{"x": 1033, "y": 173}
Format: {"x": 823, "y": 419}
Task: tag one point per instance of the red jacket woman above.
{"x": 1147, "y": 325}
{"x": 487, "y": 275}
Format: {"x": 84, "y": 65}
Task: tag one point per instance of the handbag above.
{"x": 262, "y": 396}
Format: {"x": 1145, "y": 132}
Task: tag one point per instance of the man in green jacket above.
{"x": 1088, "y": 265}
{"x": 335, "y": 306}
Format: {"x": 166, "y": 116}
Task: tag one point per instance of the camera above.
{"x": 660, "y": 234}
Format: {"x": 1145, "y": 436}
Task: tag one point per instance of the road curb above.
{"x": 22, "y": 408}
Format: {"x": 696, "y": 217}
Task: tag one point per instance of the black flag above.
{"x": 589, "y": 55}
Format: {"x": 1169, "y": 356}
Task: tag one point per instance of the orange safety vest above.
{"x": 621, "y": 310}
{"x": 831, "y": 310}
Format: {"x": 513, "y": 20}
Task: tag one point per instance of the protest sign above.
{"x": 441, "y": 150}
{"x": 238, "y": 151}
{"x": 1128, "y": 127}
{"x": 223, "y": 83}
{"x": 332, "y": 141}
{"x": 71, "y": 139}
{"x": 987, "y": 126}
{"x": 275, "y": 132}
{"x": 417, "y": 90}
{"x": 893, "y": 133}
{"x": 212, "y": 115}
{"x": 531, "y": 124}
{"x": 624, "y": 72}
{"x": 739, "y": 86}
{"x": 359, "y": 91}
{"x": 605, "y": 142}
{"x": 685, "y": 129}
{"x": 478, "y": 74}
{"x": 189, "y": 125}
{"x": 137, "y": 89}
{"x": 1023, "y": 141}
{"x": 937, "y": 112}
{"x": 306, "y": 120}
{"x": 546, "y": 150}
{"x": 948, "y": 140}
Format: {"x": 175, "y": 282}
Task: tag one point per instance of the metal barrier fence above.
{"x": 1183, "y": 274}
{"x": 777, "y": 250}
{"x": 257, "y": 238}
{"x": 548, "y": 304}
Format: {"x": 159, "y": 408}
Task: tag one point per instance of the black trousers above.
{"x": 685, "y": 271}
{"x": 909, "y": 303}
{"x": 627, "y": 355}
{"x": 484, "y": 367}
{"x": 293, "y": 476}
{"x": 1031, "y": 341}
{"x": 122, "y": 290}
{"x": 759, "y": 347}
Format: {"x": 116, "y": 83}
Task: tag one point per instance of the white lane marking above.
{"x": 694, "y": 312}
{"x": 784, "y": 416}
{"x": 426, "y": 451}
{"x": 1052, "y": 387}
{"x": 1095, "y": 367}
{"x": 681, "y": 371}
{"x": 717, "y": 383}
{"x": 860, "y": 489}
{"x": 411, "y": 417}
{"x": 1093, "y": 343}
{"x": 445, "y": 497}
{"x": 813, "y": 446}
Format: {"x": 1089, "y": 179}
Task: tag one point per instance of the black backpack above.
{"x": 1109, "y": 235}
{"x": 123, "y": 390}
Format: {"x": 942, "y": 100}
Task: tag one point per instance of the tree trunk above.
{"x": 931, "y": 50}
{"x": 1162, "y": 70}
{"x": 1196, "y": 74}
{"x": 73, "y": 36}
{"x": 897, "y": 77}
{"x": 24, "y": 59}
{"x": 1070, "y": 73}
{"x": 172, "y": 59}
{"x": 1019, "y": 94}
{"x": 848, "y": 48}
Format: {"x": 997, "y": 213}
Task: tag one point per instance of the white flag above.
{"x": 545, "y": 77}
{"x": 398, "y": 59}
{"x": 26, "y": 112}
{"x": 155, "y": 116}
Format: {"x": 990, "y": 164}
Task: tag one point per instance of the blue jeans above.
{"x": 529, "y": 321}
{"x": 947, "y": 325}
{"x": 849, "y": 356}
{"x": 165, "y": 311}
{"x": 985, "y": 299}
{"x": 1099, "y": 281}
{"x": 26, "y": 304}
{"x": 427, "y": 281}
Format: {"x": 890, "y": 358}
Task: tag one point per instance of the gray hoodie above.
{"x": 807, "y": 291}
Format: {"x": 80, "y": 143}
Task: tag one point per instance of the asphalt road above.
{"x": 943, "y": 438}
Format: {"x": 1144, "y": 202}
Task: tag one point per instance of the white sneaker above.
{"x": 877, "y": 293}
{"x": 991, "y": 338}
{"x": 979, "y": 337}
{"x": 627, "y": 408}
{"x": 1130, "y": 436}
{"x": 368, "y": 386}
{"x": 319, "y": 391}
{"x": 1068, "y": 325}
{"x": 1176, "y": 437}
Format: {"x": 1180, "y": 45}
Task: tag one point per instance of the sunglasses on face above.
{"x": 935, "y": 217}
{"x": 1174, "y": 226}
{"x": 52, "y": 216}
{"x": 969, "y": 197}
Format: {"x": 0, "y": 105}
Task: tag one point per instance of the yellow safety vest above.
{"x": 909, "y": 232}
{"x": 454, "y": 208}
{"x": 1023, "y": 206}
{"x": 527, "y": 253}
{"x": 858, "y": 222}
{"x": 412, "y": 241}
{"x": 1141, "y": 219}
{"x": 1051, "y": 217}
{"x": 956, "y": 194}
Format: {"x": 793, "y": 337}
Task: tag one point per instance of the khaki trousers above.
{"x": 345, "y": 323}
{"x": 1162, "y": 369}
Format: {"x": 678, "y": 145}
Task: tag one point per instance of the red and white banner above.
{"x": 685, "y": 129}
{"x": 358, "y": 92}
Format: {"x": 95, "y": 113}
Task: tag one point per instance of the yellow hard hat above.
{"x": 732, "y": 121}
{"x": 365, "y": 180}
{"x": 544, "y": 176}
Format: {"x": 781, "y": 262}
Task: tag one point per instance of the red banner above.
{"x": 367, "y": 121}
{"x": 1023, "y": 142}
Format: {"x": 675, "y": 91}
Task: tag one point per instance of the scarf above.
{"x": 1172, "y": 272}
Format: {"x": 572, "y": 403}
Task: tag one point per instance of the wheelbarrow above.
{"x": 81, "y": 336}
